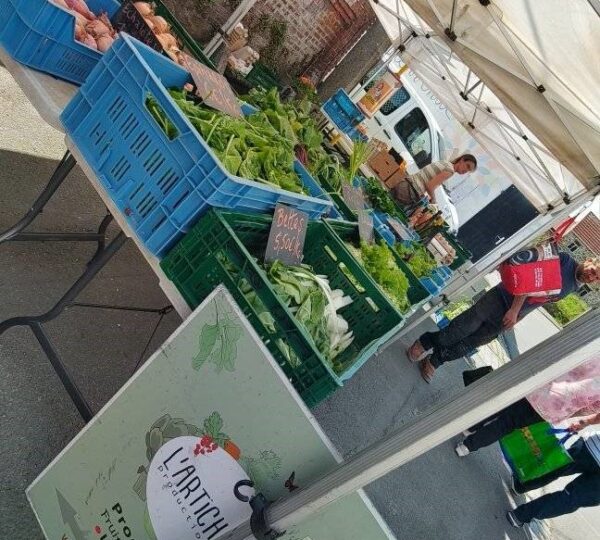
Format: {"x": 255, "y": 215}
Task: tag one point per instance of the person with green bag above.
{"x": 574, "y": 395}
{"x": 583, "y": 491}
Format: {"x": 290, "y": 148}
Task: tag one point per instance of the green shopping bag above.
{"x": 534, "y": 451}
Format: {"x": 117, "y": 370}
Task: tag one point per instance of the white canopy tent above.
{"x": 520, "y": 75}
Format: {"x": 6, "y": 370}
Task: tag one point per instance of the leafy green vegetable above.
{"x": 357, "y": 158}
{"x": 418, "y": 259}
{"x": 161, "y": 118}
{"x": 311, "y": 301}
{"x": 291, "y": 120}
{"x": 250, "y": 147}
{"x": 381, "y": 199}
{"x": 315, "y": 306}
{"x": 379, "y": 261}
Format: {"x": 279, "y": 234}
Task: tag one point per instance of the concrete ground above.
{"x": 437, "y": 496}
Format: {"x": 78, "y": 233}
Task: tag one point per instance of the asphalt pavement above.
{"x": 437, "y": 496}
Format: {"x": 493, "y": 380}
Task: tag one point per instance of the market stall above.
{"x": 216, "y": 191}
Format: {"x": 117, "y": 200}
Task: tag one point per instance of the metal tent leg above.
{"x": 16, "y": 232}
{"x": 99, "y": 261}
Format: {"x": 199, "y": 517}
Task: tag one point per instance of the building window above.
{"x": 574, "y": 246}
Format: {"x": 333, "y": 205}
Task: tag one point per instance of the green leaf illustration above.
{"x": 213, "y": 425}
{"x": 218, "y": 343}
{"x": 208, "y": 338}
{"x": 262, "y": 469}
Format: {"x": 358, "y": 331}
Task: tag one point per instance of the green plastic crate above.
{"x": 262, "y": 76}
{"x": 190, "y": 45}
{"x": 196, "y": 267}
{"x": 348, "y": 232}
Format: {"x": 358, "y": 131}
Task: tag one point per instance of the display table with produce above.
{"x": 150, "y": 136}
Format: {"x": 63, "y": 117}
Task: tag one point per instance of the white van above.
{"x": 407, "y": 125}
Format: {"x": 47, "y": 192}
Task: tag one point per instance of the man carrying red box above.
{"x": 496, "y": 311}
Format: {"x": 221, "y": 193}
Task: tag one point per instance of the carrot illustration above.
{"x": 232, "y": 449}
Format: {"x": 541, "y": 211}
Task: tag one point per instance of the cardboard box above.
{"x": 392, "y": 181}
{"x": 383, "y": 165}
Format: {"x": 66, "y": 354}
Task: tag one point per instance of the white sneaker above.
{"x": 461, "y": 450}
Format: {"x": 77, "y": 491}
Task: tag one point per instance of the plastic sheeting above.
{"x": 530, "y": 73}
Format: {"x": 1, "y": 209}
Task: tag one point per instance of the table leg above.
{"x": 15, "y": 233}
{"x": 100, "y": 259}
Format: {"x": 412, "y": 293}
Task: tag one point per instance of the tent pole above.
{"x": 235, "y": 18}
{"x": 549, "y": 360}
{"x": 533, "y": 150}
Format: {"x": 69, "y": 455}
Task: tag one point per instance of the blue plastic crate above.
{"x": 163, "y": 186}
{"x": 446, "y": 271}
{"x": 383, "y": 229}
{"x": 41, "y": 35}
{"x": 316, "y": 190}
{"x": 432, "y": 287}
{"x": 345, "y": 114}
{"x": 349, "y": 108}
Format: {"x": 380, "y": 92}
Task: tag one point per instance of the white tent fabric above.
{"x": 530, "y": 73}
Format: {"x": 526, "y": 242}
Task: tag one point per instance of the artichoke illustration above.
{"x": 161, "y": 432}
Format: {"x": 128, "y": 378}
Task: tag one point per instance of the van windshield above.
{"x": 414, "y": 132}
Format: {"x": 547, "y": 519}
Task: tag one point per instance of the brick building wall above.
{"x": 351, "y": 70}
{"x": 584, "y": 242}
{"x": 317, "y": 32}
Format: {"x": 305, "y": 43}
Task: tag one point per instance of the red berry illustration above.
{"x": 203, "y": 451}
{"x": 97, "y": 529}
{"x": 214, "y": 446}
{"x": 197, "y": 449}
{"x": 206, "y": 441}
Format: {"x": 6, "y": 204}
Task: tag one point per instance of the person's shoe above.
{"x": 427, "y": 369}
{"x": 416, "y": 352}
{"x": 467, "y": 433}
{"x": 461, "y": 450}
{"x": 513, "y": 520}
{"x": 513, "y": 488}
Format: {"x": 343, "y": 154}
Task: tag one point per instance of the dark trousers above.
{"x": 477, "y": 326}
{"x": 582, "y": 492}
{"x": 518, "y": 415}
{"x": 583, "y": 463}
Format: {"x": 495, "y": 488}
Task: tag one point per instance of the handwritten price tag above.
{"x": 354, "y": 197}
{"x": 128, "y": 19}
{"x": 212, "y": 87}
{"x": 286, "y": 239}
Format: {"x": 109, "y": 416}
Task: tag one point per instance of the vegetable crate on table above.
{"x": 41, "y": 35}
{"x": 223, "y": 248}
{"x": 345, "y": 115}
{"x": 348, "y": 232}
{"x": 162, "y": 185}
{"x": 189, "y": 43}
